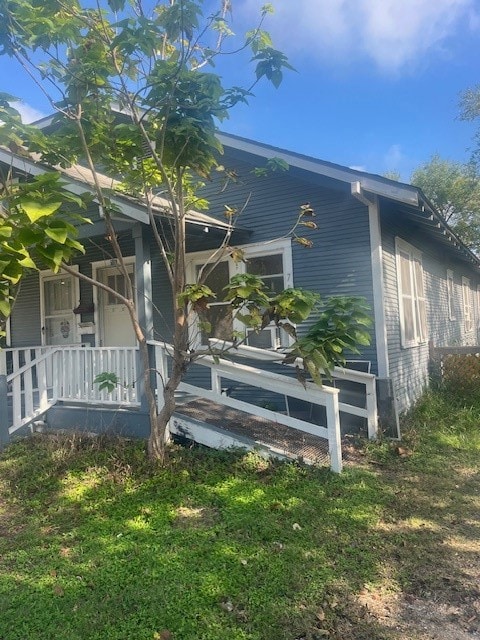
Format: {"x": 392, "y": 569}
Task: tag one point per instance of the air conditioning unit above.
{"x": 268, "y": 338}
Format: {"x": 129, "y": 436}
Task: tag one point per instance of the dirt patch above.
{"x": 406, "y": 617}
{"x": 195, "y": 517}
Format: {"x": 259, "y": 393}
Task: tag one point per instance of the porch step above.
{"x": 222, "y": 427}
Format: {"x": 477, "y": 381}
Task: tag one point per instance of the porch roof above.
{"x": 79, "y": 179}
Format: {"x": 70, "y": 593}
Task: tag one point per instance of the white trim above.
{"x": 450, "y": 295}
{"x": 467, "y": 306}
{"x": 395, "y": 191}
{"x": 381, "y": 336}
{"x": 8, "y": 332}
{"x": 418, "y": 298}
{"x": 279, "y": 246}
{"x": 97, "y": 266}
{"x": 47, "y": 274}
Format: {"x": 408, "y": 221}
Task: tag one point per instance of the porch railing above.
{"x": 38, "y": 377}
{"x": 75, "y": 370}
{"x": 221, "y": 369}
{"x": 29, "y": 389}
{"x": 366, "y": 380}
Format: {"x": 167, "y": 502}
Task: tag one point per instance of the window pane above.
{"x": 274, "y": 284}
{"x": 409, "y": 326}
{"x": 111, "y": 282}
{"x": 58, "y": 296}
{"x": 419, "y": 278}
{"x": 405, "y": 274}
{"x": 221, "y": 322}
{"x": 265, "y": 265}
{"x": 218, "y": 278}
{"x": 422, "y": 320}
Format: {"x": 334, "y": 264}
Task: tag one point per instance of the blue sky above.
{"x": 377, "y": 82}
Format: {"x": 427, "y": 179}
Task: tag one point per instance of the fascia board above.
{"x": 401, "y": 193}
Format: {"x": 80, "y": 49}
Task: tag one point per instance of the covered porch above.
{"x": 57, "y": 385}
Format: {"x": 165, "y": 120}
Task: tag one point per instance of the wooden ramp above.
{"x": 232, "y": 427}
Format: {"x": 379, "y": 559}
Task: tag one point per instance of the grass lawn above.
{"x": 96, "y": 544}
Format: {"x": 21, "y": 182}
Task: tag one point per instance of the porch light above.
{"x": 206, "y": 229}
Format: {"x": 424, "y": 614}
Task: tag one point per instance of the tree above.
{"x": 470, "y": 110}
{"x": 154, "y": 61}
{"x": 454, "y": 189}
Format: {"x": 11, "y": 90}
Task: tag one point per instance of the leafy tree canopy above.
{"x": 133, "y": 86}
{"x": 454, "y": 188}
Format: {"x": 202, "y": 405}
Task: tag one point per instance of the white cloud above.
{"x": 394, "y": 158}
{"x": 28, "y": 113}
{"x": 393, "y": 34}
{"x": 360, "y": 167}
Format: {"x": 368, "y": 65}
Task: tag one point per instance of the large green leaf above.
{"x": 59, "y": 234}
{"x": 36, "y": 210}
{"x": 5, "y": 307}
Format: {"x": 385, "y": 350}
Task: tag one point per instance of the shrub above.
{"x": 461, "y": 376}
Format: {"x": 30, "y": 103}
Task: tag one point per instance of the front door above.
{"x": 115, "y": 325}
{"x": 60, "y": 296}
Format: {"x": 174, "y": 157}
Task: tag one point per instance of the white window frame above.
{"x": 450, "y": 294}
{"x": 417, "y": 299}
{"x": 467, "y": 305}
{"x": 256, "y": 250}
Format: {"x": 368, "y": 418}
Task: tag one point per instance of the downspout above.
{"x": 377, "y": 277}
{"x": 387, "y": 406}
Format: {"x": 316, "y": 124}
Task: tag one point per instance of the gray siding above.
{"x": 409, "y": 367}
{"x": 339, "y": 262}
{"x": 26, "y": 318}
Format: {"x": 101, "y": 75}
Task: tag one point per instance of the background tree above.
{"x": 470, "y": 110}
{"x": 454, "y": 188}
{"x": 154, "y": 61}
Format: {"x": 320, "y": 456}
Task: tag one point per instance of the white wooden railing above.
{"x": 75, "y": 370}
{"x": 38, "y": 377}
{"x": 31, "y": 393}
{"x": 221, "y": 369}
{"x": 367, "y": 380}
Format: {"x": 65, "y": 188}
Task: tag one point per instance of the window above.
{"x": 272, "y": 262}
{"x": 411, "y": 294}
{"x": 450, "y": 295}
{"x": 218, "y": 315}
{"x": 467, "y": 305}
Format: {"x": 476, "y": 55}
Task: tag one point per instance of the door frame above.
{"x": 96, "y": 267}
{"x": 47, "y": 274}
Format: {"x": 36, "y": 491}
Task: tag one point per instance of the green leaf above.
{"x": 58, "y": 234}
{"x": 36, "y": 210}
{"x": 27, "y": 263}
{"x": 5, "y": 307}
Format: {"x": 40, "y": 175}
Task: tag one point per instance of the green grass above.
{"x": 97, "y": 544}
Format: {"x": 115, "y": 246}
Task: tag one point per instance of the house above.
{"x": 377, "y": 238}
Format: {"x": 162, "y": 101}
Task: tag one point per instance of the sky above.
{"x": 376, "y": 86}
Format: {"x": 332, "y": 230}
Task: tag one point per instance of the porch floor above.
{"x": 285, "y": 439}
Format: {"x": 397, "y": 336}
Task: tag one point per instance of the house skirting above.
{"x": 130, "y": 423}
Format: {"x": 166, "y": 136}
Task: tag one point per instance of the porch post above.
{"x": 143, "y": 287}
{"x": 4, "y": 435}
